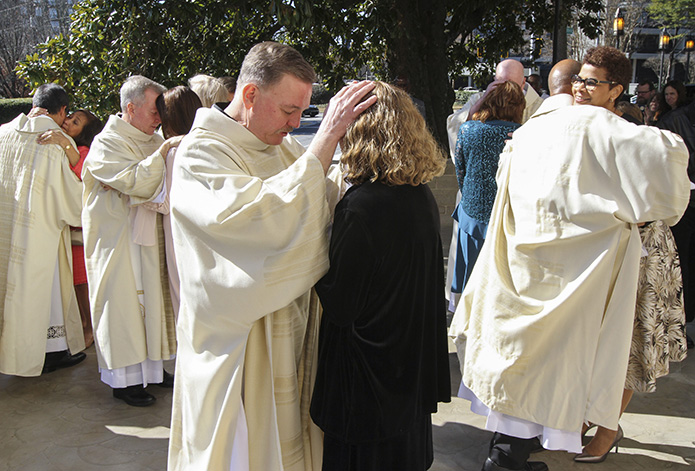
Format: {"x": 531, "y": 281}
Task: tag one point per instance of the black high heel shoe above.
{"x": 587, "y": 458}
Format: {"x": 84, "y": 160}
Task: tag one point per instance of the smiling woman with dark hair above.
{"x": 658, "y": 335}
{"x": 81, "y": 126}
{"x": 383, "y": 362}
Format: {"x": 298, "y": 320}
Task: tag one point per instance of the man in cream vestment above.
{"x": 39, "y": 200}
{"x": 131, "y": 308}
{"x": 250, "y": 215}
{"x": 547, "y": 314}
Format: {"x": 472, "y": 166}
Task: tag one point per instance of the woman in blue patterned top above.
{"x": 478, "y": 146}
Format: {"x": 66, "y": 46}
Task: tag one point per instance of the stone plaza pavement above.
{"x": 67, "y": 420}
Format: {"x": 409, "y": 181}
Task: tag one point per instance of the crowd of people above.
{"x": 305, "y": 302}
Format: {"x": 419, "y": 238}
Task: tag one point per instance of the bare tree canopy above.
{"x": 24, "y": 24}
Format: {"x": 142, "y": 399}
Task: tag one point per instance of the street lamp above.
{"x": 536, "y": 47}
{"x": 689, "y": 46}
{"x": 618, "y": 26}
{"x": 664, "y": 46}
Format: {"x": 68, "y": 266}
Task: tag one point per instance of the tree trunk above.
{"x": 417, "y": 52}
{"x": 559, "y": 33}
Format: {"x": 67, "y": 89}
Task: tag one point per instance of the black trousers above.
{"x": 684, "y": 235}
{"x": 510, "y": 452}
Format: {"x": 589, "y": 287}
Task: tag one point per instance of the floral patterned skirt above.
{"x": 658, "y": 336}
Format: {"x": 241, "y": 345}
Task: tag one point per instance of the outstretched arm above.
{"x": 343, "y": 109}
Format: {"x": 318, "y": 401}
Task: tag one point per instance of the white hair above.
{"x": 134, "y": 88}
{"x": 209, "y": 89}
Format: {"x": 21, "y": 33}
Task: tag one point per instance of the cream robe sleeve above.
{"x": 590, "y": 159}
{"x": 258, "y": 242}
{"x": 651, "y": 166}
{"x": 120, "y": 165}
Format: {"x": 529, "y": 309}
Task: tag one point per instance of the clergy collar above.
{"x": 554, "y": 102}
{"x": 38, "y": 124}
{"x": 117, "y": 124}
{"x": 216, "y": 120}
{"x": 218, "y": 107}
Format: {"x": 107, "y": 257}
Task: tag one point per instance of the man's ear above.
{"x": 130, "y": 108}
{"x": 249, "y": 95}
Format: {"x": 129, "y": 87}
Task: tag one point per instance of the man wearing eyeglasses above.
{"x": 645, "y": 92}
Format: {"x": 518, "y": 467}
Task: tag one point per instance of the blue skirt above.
{"x": 469, "y": 242}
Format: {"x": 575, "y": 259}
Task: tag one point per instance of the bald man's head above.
{"x": 512, "y": 70}
{"x": 560, "y": 76}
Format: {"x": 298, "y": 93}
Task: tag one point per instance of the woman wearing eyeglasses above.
{"x": 659, "y": 327}
{"x": 602, "y": 79}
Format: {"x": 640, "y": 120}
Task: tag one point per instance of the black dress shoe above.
{"x": 529, "y": 466}
{"x": 134, "y": 396}
{"x": 167, "y": 382}
{"x": 63, "y": 359}
{"x": 536, "y": 445}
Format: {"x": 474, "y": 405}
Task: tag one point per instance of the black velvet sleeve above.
{"x": 344, "y": 289}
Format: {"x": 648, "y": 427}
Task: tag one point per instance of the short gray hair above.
{"x": 267, "y": 62}
{"x": 134, "y": 88}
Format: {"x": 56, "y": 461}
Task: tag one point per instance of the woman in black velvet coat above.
{"x": 383, "y": 359}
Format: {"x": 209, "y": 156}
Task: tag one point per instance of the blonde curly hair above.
{"x": 390, "y": 143}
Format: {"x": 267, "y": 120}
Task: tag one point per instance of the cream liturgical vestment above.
{"x": 39, "y": 200}
{"x": 547, "y": 314}
{"x": 125, "y": 332}
{"x": 250, "y": 224}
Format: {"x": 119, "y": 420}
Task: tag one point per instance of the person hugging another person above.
{"x": 546, "y": 318}
{"x": 479, "y": 144}
{"x": 40, "y": 328}
{"x": 81, "y": 126}
{"x": 658, "y": 335}
{"x": 383, "y": 362}
{"x": 134, "y": 327}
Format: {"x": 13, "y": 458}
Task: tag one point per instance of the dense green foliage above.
{"x": 167, "y": 41}
{"x": 462, "y": 96}
{"x": 424, "y": 41}
{"x": 11, "y": 108}
{"x": 673, "y": 13}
